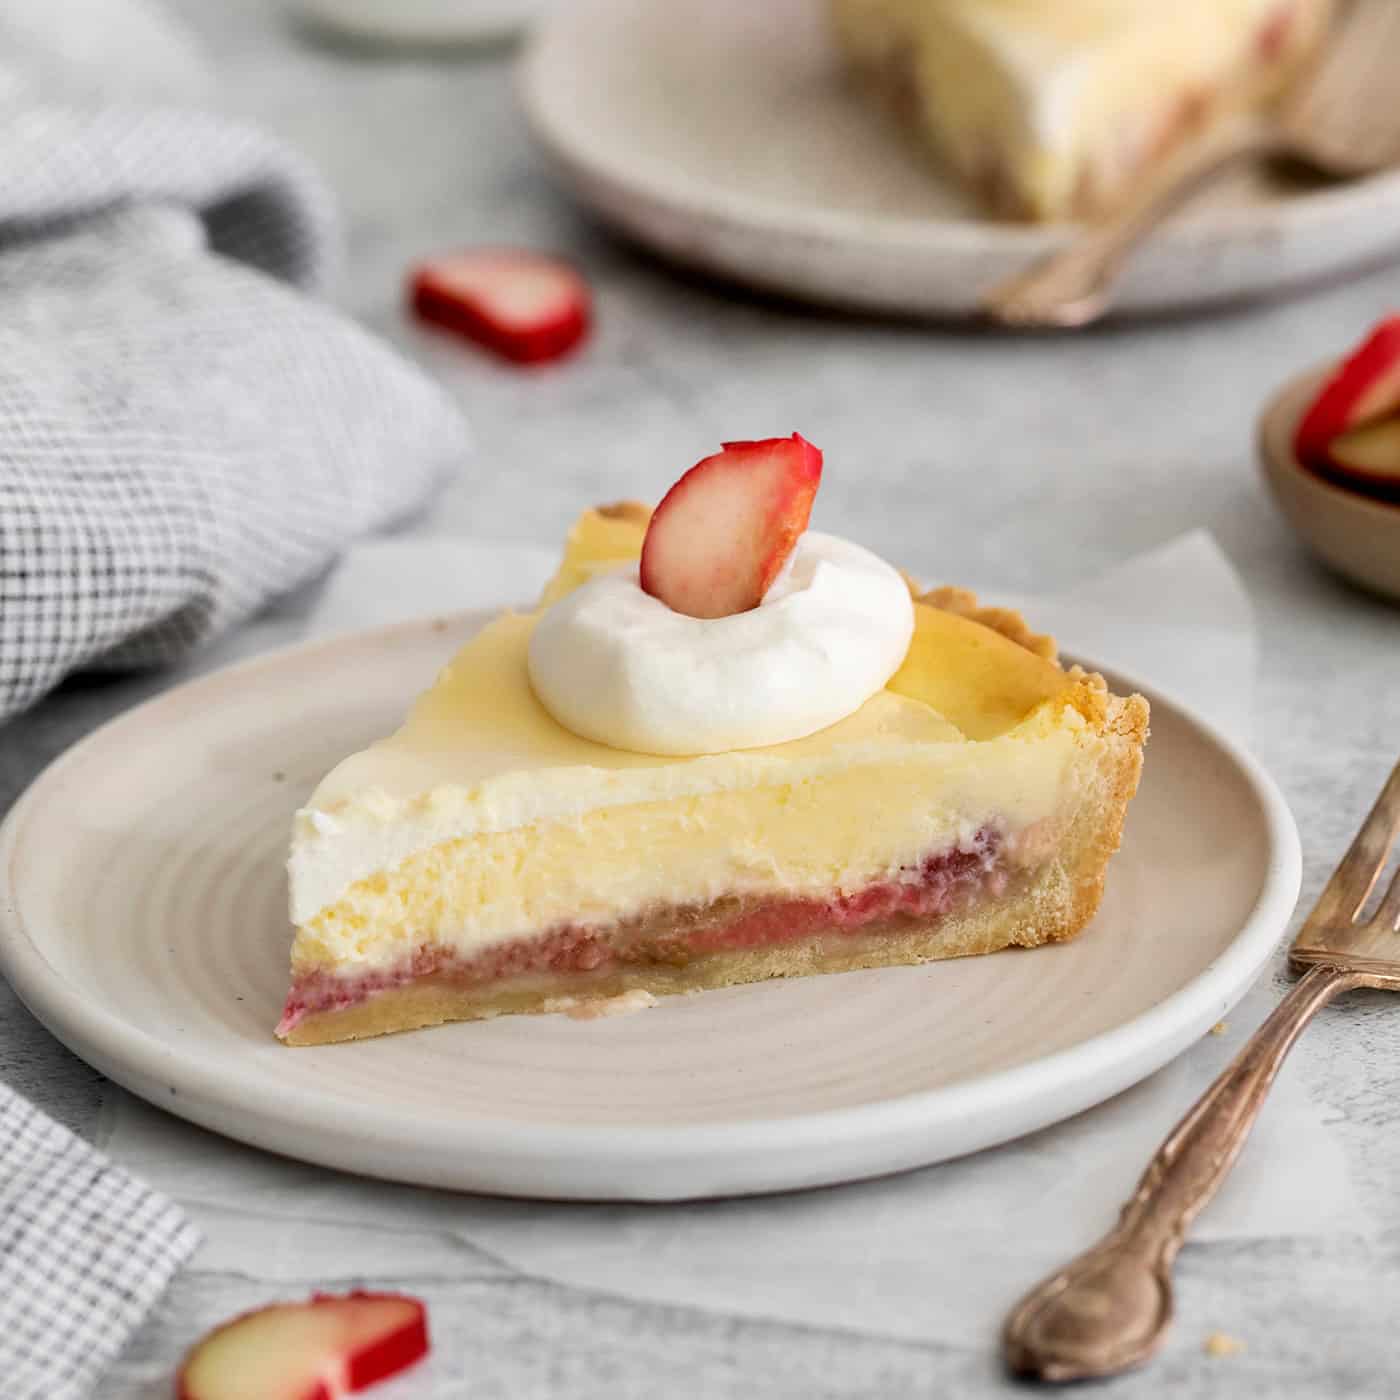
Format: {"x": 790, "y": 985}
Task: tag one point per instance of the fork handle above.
{"x": 1111, "y": 1307}
{"x": 1073, "y": 286}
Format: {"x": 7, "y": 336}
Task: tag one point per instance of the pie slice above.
{"x": 485, "y": 859}
{"x": 1049, "y": 110}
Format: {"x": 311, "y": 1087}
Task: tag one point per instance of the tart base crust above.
{"x": 439, "y": 997}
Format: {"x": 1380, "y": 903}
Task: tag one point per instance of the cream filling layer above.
{"x": 804, "y": 832}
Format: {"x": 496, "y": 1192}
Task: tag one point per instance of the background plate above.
{"x": 725, "y": 136}
{"x": 144, "y": 922}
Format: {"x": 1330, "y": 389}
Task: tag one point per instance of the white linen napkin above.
{"x": 933, "y": 1254}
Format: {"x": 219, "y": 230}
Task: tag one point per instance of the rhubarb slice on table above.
{"x": 317, "y": 1350}
{"x": 523, "y": 305}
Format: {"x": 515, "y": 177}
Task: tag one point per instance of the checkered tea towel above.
{"x": 183, "y": 432}
{"x": 84, "y": 1253}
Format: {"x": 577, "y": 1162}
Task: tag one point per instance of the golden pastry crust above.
{"x": 1012, "y": 625}
{"x": 962, "y": 602}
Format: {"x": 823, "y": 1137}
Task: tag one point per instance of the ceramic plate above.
{"x": 724, "y": 136}
{"x": 144, "y": 922}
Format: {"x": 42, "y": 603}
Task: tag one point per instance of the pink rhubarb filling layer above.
{"x": 940, "y": 884}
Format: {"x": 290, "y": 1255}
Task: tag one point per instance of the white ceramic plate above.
{"x": 724, "y": 136}
{"x": 143, "y": 921}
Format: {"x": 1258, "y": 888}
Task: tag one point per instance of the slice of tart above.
{"x": 490, "y": 857}
{"x": 1049, "y": 110}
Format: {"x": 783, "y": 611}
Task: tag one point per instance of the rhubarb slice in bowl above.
{"x": 1355, "y": 533}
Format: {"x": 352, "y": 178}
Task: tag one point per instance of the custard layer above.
{"x": 799, "y": 831}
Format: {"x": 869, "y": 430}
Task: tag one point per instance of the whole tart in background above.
{"x": 1048, "y": 111}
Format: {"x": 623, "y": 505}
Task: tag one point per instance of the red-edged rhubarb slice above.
{"x": 317, "y": 1350}
{"x": 1368, "y": 458}
{"x": 1364, "y": 389}
{"x": 724, "y": 530}
{"x": 525, "y": 306}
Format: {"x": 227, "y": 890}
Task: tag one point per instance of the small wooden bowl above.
{"x": 1356, "y": 535}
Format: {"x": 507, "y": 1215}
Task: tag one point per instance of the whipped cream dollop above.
{"x": 616, "y": 665}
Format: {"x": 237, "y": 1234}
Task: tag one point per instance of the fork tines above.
{"x": 1351, "y": 884}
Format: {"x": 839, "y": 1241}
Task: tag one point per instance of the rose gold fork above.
{"x": 1341, "y": 119}
{"x": 1111, "y": 1307}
